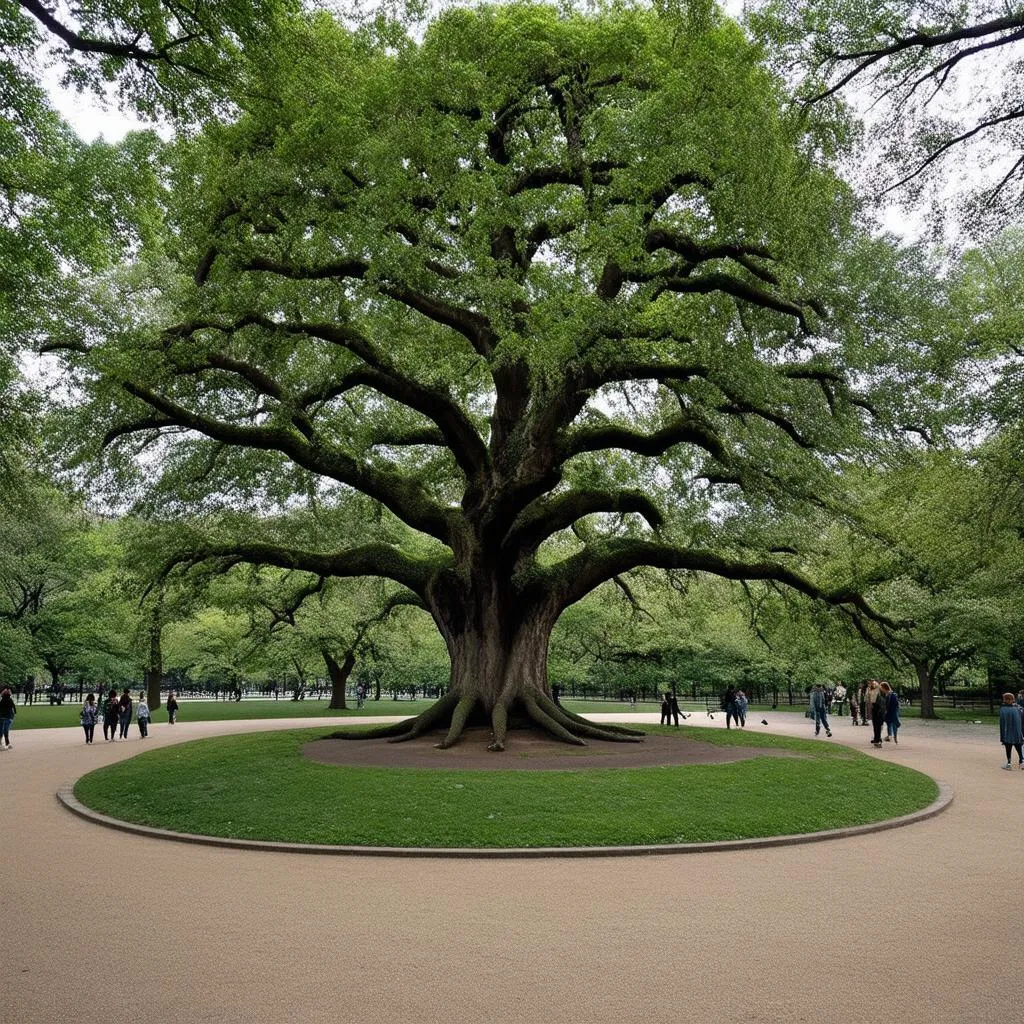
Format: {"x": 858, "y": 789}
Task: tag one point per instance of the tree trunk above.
{"x": 499, "y": 652}
{"x": 925, "y": 682}
{"x": 339, "y": 678}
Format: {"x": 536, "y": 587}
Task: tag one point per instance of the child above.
{"x": 1011, "y": 733}
{"x": 142, "y": 715}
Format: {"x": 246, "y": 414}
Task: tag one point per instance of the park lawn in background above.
{"x": 261, "y": 787}
{"x": 43, "y": 716}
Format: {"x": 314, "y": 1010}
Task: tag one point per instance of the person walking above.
{"x": 730, "y": 707}
{"x": 110, "y": 713}
{"x": 741, "y": 706}
{"x": 673, "y": 708}
{"x": 1011, "y": 730}
{"x": 124, "y": 712}
{"x": 854, "y": 705}
{"x": 819, "y": 709}
{"x": 664, "y": 710}
{"x": 892, "y": 714}
{"x": 172, "y": 709}
{"x": 8, "y": 710}
{"x": 88, "y": 715}
{"x": 142, "y": 715}
{"x": 878, "y": 702}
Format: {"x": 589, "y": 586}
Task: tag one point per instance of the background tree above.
{"x": 538, "y": 270}
{"x": 945, "y": 83}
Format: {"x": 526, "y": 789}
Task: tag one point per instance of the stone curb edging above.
{"x": 66, "y": 796}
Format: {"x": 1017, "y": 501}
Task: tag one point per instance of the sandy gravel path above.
{"x": 920, "y": 924}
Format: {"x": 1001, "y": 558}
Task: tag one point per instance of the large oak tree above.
{"x": 557, "y": 292}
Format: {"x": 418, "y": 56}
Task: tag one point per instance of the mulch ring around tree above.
{"x": 529, "y": 751}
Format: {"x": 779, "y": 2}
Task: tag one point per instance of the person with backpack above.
{"x": 87, "y": 716}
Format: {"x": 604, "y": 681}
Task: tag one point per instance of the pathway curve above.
{"x": 920, "y": 924}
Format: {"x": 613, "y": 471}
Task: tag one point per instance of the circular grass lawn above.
{"x": 260, "y": 786}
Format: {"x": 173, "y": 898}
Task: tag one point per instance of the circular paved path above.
{"x": 102, "y": 926}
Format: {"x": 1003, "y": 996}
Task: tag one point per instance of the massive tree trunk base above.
{"x": 532, "y": 710}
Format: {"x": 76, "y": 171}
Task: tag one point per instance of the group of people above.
{"x": 116, "y": 713}
{"x": 875, "y": 703}
{"x": 734, "y": 704}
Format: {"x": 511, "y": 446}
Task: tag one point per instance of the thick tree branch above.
{"x": 367, "y": 560}
{"x": 406, "y": 499}
{"x": 683, "y": 431}
{"x": 574, "y": 577}
{"x": 549, "y": 515}
{"x": 915, "y": 40}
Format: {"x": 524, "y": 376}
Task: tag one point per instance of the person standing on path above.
{"x": 730, "y": 707}
{"x": 664, "y": 710}
{"x": 892, "y": 714}
{"x": 110, "y": 716}
{"x": 819, "y": 709}
{"x": 88, "y": 716}
{"x": 1011, "y": 730}
{"x": 172, "y": 709}
{"x": 7, "y": 712}
{"x": 124, "y": 712}
{"x": 142, "y": 715}
{"x": 878, "y": 702}
{"x": 862, "y": 700}
{"x": 741, "y": 705}
{"x": 673, "y": 708}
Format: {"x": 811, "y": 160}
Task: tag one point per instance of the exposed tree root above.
{"x": 499, "y": 727}
{"x": 459, "y": 716}
{"x": 549, "y": 724}
{"x": 428, "y": 719}
{"x": 581, "y": 727}
{"x": 542, "y": 711}
{"x": 623, "y": 730}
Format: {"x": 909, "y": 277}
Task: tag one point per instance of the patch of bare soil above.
{"x": 530, "y": 751}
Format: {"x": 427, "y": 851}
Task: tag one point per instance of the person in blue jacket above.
{"x": 892, "y": 714}
{"x": 1011, "y": 732}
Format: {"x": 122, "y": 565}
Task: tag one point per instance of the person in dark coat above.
{"x": 673, "y": 708}
{"x": 892, "y": 714}
{"x": 1011, "y": 730}
{"x": 665, "y": 710}
{"x": 110, "y": 714}
{"x": 7, "y": 712}
{"x": 878, "y": 700}
{"x": 124, "y": 712}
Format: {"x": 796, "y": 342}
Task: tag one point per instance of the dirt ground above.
{"x": 918, "y": 925}
{"x": 529, "y": 751}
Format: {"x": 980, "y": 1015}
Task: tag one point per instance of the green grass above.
{"x": 260, "y": 787}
